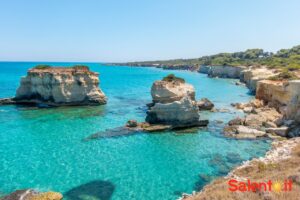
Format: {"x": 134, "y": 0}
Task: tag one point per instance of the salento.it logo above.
{"x": 251, "y": 186}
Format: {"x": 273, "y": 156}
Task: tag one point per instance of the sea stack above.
{"x": 55, "y": 86}
{"x": 174, "y": 104}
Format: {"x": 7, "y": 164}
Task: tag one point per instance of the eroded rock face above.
{"x": 283, "y": 95}
{"x": 222, "y": 71}
{"x": 178, "y": 113}
{"x": 169, "y": 91}
{"x": 60, "y": 86}
{"x": 253, "y": 75}
{"x": 174, "y": 104}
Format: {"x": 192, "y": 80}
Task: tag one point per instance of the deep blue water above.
{"x": 44, "y": 148}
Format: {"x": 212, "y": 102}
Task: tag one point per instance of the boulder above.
{"x": 243, "y": 132}
{"x": 60, "y": 86}
{"x": 205, "y": 104}
{"x": 269, "y": 124}
{"x": 281, "y": 131}
{"x": 236, "y": 121}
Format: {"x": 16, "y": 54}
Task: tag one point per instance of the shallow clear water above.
{"x": 44, "y": 148}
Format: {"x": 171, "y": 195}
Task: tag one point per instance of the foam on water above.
{"x": 45, "y": 148}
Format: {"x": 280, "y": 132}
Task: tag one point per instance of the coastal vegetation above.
{"x": 172, "y": 77}
{"x": 284, "y": 75}
{"x": 42, "y": 67}
{"x": 283, "y": 59}
{"x": 75, "y": 67}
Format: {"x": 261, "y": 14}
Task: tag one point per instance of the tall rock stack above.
{"x": 60, "y": 86}
{"x": 174, "y": 104}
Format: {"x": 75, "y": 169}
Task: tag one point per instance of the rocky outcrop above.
{"x": 7, "y": 101}
{"x": 174, "y": 104}
{"x": 205, "y": 104}
{"x": 180, "y": 113}
{"x": 222, "y": 71}
{"x": 167, "y": 91}
{"x": 30, "y": 194}
{"x": 283, "y": 95}
{"x": 260, "y": 121}
{"x": 253, "y": 75}
{"x": 60, "y": 86}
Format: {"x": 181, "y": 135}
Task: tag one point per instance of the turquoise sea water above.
{"x": 45, "y": 148}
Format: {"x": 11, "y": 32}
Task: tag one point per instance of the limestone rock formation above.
{"x": 222, "y": 71}
{"x": 283, "y": 95}
{"x": 60, "y": 86}
{"x": 253, "y": 75}
{"x": 174, "y": 104}
{"x": 171, "y": 89}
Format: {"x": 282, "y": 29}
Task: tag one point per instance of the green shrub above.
{"x": 172, "y": 77}
{"x": 81, "y": 67}
{"x": 284, "y": 75}
{"x": 42, "y": 67}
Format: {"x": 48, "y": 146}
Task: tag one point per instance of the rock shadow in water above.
{"x": 203, "y": 180}
{"x": 111, "y": 133}
{"x": 96, "y": 190}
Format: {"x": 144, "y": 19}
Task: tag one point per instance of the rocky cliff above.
{"x": 283, "y": 95}
{"x": 174, "y": 104}
{"x": 222, "y": 71}
{"x": 60, "y": 86}
{"x": 252, "y": 75}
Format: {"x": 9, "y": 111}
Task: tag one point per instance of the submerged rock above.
{"x": 7, "y": 101}
{"x": 60, "y": 86}
{"x": 30, "y": 194}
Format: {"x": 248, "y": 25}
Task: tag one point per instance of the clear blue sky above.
{"x": 116, "y": 31}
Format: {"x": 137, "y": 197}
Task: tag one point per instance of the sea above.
{"x": 83, "y": 153}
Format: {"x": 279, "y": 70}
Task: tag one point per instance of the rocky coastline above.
{"x": 279, "y": 164}
{"x": 275, "y": 114}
